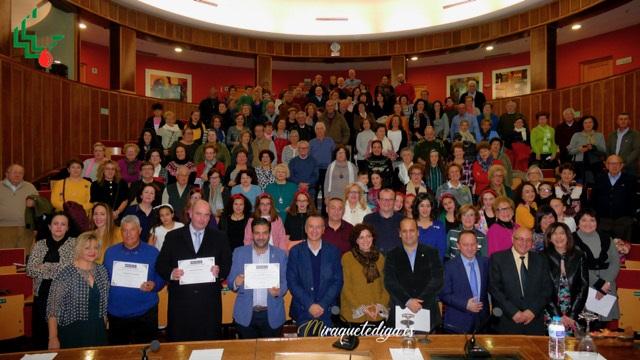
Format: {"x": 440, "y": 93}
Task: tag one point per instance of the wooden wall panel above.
{"x": 46, "y": 120}
{"x": 485, "y": 32}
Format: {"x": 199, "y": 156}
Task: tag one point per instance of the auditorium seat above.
{"x": 12, "y": 315}
{"x": 9, "y": 257}
{"x": 84, "y": 157}
{"x": 18, "y": 283}
{"x": 628, "y": 283}
{"x": 116, "y": 157}
{"x": 45, "y": 194}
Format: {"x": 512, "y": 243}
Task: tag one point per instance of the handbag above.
{"x": 79, "y": 221}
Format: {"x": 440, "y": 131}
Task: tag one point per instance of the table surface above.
{"x": 527, "y": 347}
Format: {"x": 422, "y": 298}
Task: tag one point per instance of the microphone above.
{"x": 154, "y": 347}
{"x": 471, "y": 349}
{"x": 346, "y": 342}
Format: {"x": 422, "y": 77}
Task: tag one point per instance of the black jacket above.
{"x": 577, "y": 276}
{"x": 423, "y": 282}
{"x": 504, "y": 286}
{"x": 614, "y": 201}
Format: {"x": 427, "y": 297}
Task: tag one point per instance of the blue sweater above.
{"x": 303, "y": 171}
{"x": 128, "y": 302}
{"x": 435, "y": 236}
{"x": 322, "y": 151}
{"x": 387, "y": 230}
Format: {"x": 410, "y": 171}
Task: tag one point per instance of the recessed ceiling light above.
{"x": 489, "y": 48}
{"x": 57, "y": 62}
{"x": 178, "y": 49}
{"x": 414, "y": 58}
{"x": 82, "y": 26}
{"x": 576, "y": 27}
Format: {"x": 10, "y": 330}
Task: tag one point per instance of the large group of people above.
{"x": 367, "y": 198}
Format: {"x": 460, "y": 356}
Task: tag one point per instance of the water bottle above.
{"x": 556, "y": 339}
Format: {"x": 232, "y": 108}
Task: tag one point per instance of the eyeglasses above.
{"x": 416, "y": 173}
{"x": 387, "y": 199}
{"x": 504, "y": 209}
{"x": 545, "y": 190}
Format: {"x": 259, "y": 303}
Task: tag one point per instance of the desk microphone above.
{"x": 154, "y": 346}
{"x": 471, "y": 349}
{"x": 346, "y": 342}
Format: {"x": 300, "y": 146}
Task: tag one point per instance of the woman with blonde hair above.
{"x": 104, "y": 227}
{"x": 77, "y": 306}
{"x": 281, "y": 190}
{"x": 110, "y": 188}
{"x": 355, "y": 205}
{"x": 170, "y": 132}
{"x": 496, "y": 176}
{"x": 90, "y": 166}
{"x": 130, "y": 165}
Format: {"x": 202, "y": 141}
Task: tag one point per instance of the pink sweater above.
{"x": 278, "y": 234}
{"x": 499, "y": 238}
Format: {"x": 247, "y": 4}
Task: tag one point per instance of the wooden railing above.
{"x": 46, "y": 120}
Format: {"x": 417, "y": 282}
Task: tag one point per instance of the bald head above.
{"x": 522, "y": 240}
{"x": 614, "y": 164}
{"x": 200, "y": 214}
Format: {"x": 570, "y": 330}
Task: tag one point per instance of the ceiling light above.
{"x": 57, "y": 62}
{"x": 178, "y": 49}
{"x": 489, "y": 48}
{"x": 576, "y": 27}
{"x": 414, "y": 58}
{"x": 82, "y": 26}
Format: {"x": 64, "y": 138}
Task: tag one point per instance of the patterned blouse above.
{"x": 265, "y": 177}
{"x": 39, "y": 270}
{"x": 69, "y": 295}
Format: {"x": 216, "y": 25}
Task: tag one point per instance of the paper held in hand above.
{"x": 601, "y": 307}
{"x": 261, "y": 276}
{"x": 197, "y": 271}
{"x": 128, "y": 274}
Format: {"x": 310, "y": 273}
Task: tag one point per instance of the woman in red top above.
{"x": 480, "y": 168}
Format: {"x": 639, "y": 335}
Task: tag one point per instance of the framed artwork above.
{"x": 167, "y": 85}
{"x": 457, "y": 84}
{"x": 509, "y": 82}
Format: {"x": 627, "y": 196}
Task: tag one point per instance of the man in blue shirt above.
{"x": 385, "y": 221}
{"x": 321, "y": 148}
{"x": 258, "y": 313}
{"x": 464, "y": 115}
{"x": 304, "y": 169}
{"x": 133, "y": 312}
{"x": 466, "y": 279}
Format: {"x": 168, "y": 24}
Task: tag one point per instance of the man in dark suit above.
{"x": 625, "y": 142}
{"x": 413, "y": 274}
{"x": 209, "y": 106}
{"x": 614, "y": 199}
{"x": 472, "y": 90}
{"x": 195, "y": 310}
{"x": 258, "y": 313}
{"x": 520, "y": 286}
{"x": 314, "y": 276}
{"x": 466, "y": 279}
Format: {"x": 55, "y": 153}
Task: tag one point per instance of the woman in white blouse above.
{"x": 355, "y": 207}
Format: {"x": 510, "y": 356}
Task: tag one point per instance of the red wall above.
{"x": 617, "y": 44}
{"x": 435, "y": 76}
{"x": 95, "y": 56}
{"x": 203, "y": 75}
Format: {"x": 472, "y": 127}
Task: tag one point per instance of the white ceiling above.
{"x": 330, "y": 19}
{"x": 618, "y": 18}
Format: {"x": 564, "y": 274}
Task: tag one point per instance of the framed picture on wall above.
{"x": 514, "y": 81}
{"x": 167, "y": 85}
{"x": 457, "y": 84}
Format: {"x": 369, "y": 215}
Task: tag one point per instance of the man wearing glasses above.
{"x": 521, "y": 295}
{"x": 385, "y": 221}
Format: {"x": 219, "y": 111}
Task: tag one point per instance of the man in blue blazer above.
{"x": 314, "y": 276}
{"x": 258, "y": 313}
{"x": 466, "y": 280}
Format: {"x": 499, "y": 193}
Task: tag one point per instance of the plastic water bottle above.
{"x": 556, "y": 339}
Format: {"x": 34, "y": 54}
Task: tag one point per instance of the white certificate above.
{"x": 128, "y": 274}
{"x": 602, "y": 306}
{"x": 261, "y": 276}
{"x": 197, "y": 271}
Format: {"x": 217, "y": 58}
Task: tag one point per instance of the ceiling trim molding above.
{"x": 246, "y": 45}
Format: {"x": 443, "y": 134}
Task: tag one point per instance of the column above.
{"x": 398, "y": 66}
{"x": 264, "y": 72}
{"x": 543, "y": 58}
{"x": 122, "y": 49}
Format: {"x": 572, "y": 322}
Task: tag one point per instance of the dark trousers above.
{"x": 134, "y": 330}
{"x": 39, "y": 326}
{"x": 621, "y": 227}
{"x": 259, "y": 327}
{"x": 320, "y": 187}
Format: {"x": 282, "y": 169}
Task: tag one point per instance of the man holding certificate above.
{"x": 133, "y": 295}
{"x": 193, "y": 260}
{"x": 258, "y": 275}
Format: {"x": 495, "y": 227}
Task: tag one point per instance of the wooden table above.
{"x": 527, "y": 347}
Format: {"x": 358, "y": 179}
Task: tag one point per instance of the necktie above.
{"x": 473, "y": 280}
{"x": 523, "y": 274}
{"x": 198, "y": 240}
